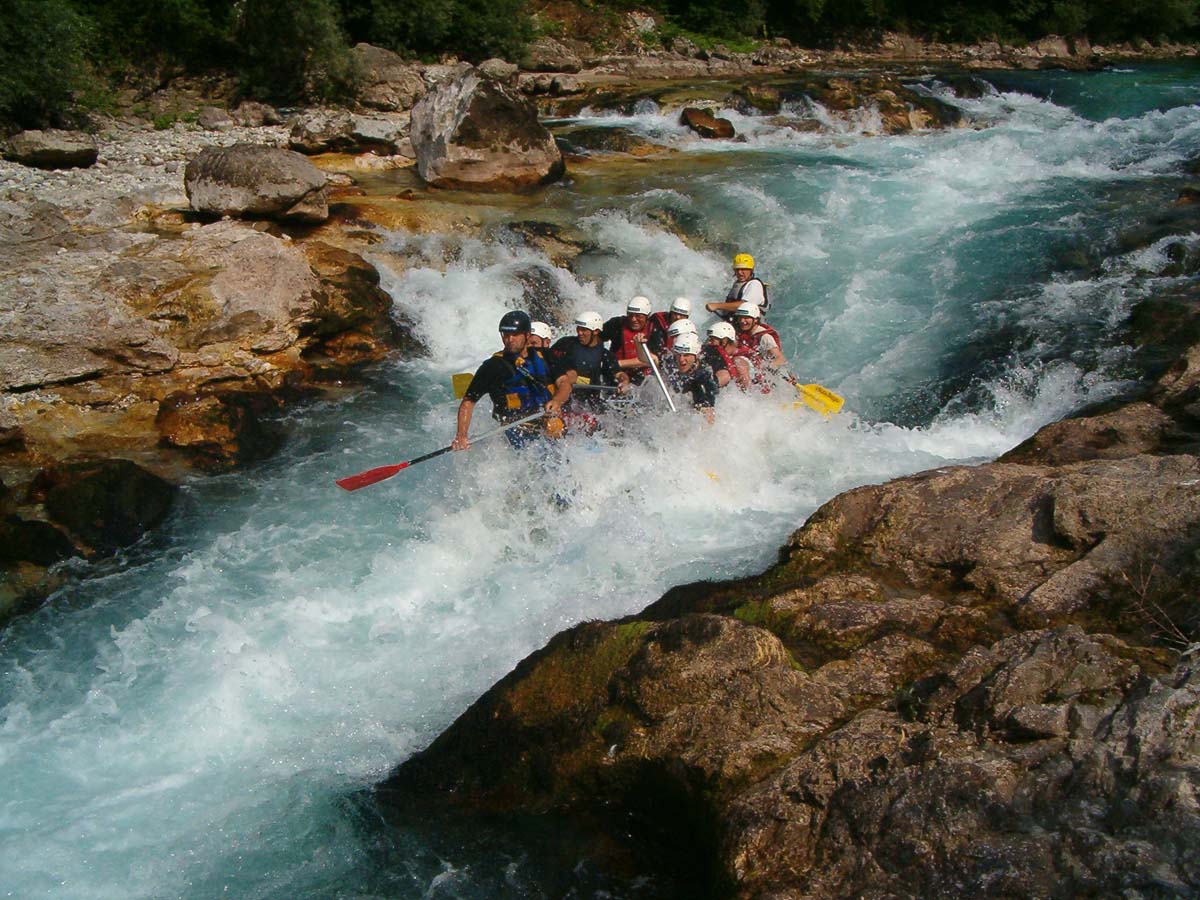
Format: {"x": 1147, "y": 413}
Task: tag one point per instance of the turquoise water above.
{"x": 197, "y": 719}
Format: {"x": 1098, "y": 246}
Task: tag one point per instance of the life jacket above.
{"x": 629, "y": 345}
{"x": 739, "y": 288}
{"x": 748, "y": 343}
{"x": 525, "y": 390}
{"x": 726, "y": 359}
{"x": 749, "y": 340}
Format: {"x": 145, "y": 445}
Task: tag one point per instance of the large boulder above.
{"x": 386, "y": 81}
{"x": 251, "y": 181}
{"x": 53, "y": 149}
{"x": 472, "y": 132}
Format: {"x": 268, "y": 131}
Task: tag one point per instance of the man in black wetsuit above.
{"x": 519, "y": 382}
{"x": 684, "y": 374}
{"x": 584, "y": 361}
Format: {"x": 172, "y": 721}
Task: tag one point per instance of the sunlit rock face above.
{"x": 251, "y": 181}
{"x": 472, "y": 132}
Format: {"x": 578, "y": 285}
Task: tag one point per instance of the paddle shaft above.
{"x": 657, "y": 376}
{"x": 382, "y": 473}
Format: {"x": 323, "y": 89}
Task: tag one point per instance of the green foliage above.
{"x": 41, "y": 59}
{"x": 294, "y": 51}
{"x": 469, "y": 29}
{"x": 192, "y": 33}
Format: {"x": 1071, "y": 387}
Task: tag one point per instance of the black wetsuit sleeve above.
{"x": 613, "y": 333}
{"x": 704, "y": 388}
{"x": 713, "y": 359}
{"x": 489, "y": 378}
{"x": 609, "y": 367}
{"x": 559, "y": 358}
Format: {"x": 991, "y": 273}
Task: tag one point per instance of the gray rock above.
{"x": 214, "y": 118}
{"x": 384, "y": 132}
{"x": 387, "y": 82}
{"x": 499, "y": 69}
{"x": 548, "y": 55}
{"x": 252, "y": 181}
{"x": 322, "y": 131}
{"x": 473, "y": 132}
{"x": 52, "y": 149}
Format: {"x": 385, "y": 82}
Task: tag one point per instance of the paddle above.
{"x": 645, "y": 356}
{"x": 382, "y": 473}
{"x": 822, "y": 399}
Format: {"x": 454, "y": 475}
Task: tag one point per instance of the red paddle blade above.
{"x": 371, "y": 476}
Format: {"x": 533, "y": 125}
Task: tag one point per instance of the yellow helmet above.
{"x": 743, "y": 261}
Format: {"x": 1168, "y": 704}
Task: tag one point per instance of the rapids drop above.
{"x": 194, "y": 719}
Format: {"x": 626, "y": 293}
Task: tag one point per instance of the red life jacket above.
{"x": 748, "y": 343}
{"x": 749, "y": 340}
{"x": 727, "y": 358}
{"x": 629, "y": 344}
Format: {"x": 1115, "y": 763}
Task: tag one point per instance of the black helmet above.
{"x": 515, "y": 322}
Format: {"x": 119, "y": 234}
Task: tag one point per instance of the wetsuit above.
{"x": 595, "y": 364}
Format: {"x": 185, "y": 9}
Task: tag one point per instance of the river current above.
{"x": 197, "y": 718}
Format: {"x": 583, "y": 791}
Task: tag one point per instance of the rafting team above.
{"x": 573, "y": 378}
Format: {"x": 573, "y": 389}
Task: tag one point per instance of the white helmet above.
{"x": 589, "y": 320}
{"x": 688, "y": 342}
{"x": 748, "y": 309}
{"x": 638, "y": 306}
{"x": 683, "y": 326}
{"x": 681, "y": 305}
{"x": 540, "y": 329}
{"x": 722, "y": 330}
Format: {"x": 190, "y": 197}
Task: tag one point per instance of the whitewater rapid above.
{"x": 194, "y": 718}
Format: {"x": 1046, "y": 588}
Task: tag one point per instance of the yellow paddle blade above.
{"x": 461, "y": 382}
{"x": 822, "y": 399}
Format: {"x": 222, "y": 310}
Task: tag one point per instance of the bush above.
{"x": 294, "y": 51}
{"x": 469, "y": 29}
{"x": 41, "y": 60}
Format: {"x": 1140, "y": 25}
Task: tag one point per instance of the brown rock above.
{"x": 705, "y": 124}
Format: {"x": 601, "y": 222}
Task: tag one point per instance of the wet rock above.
{"x": 540, "y": 294}
{"x": 472, "y": 132}
{"x": 52, "y": 149}
{"x": 756, "y": 99}
{"x": 598, "y": 139}
{"x": 26, "y": 540}
{"x": 256, "y": 182}
{"x": 562, "y": 246}
{"x": 705, "y": 124}
{"x": 108, "y": 504}
{"x": 217, "y": 432}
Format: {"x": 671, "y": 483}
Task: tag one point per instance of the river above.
{"x": 197, "y": 718}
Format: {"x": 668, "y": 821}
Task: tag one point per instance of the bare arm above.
{"x": 465, "y": 410}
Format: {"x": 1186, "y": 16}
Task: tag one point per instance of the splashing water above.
{"x": 191, "y": 720}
